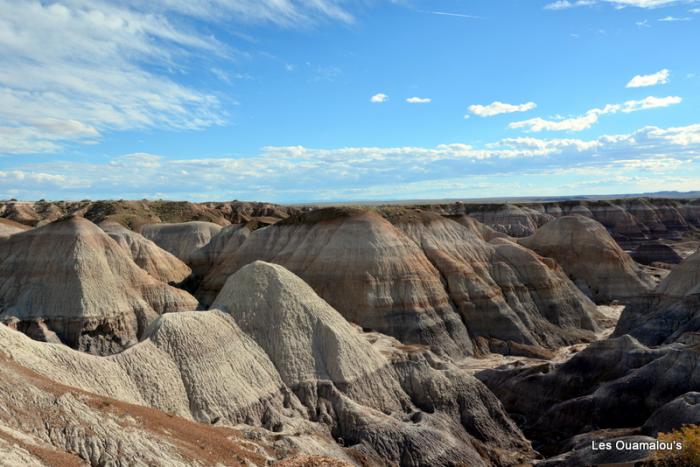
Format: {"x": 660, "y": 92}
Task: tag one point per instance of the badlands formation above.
{"x": 164, "y": 333}
{"x": 70, "y": 282}
{"x": 591, "y": 258}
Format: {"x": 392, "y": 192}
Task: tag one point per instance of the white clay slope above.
{"x": 306, "y": 338}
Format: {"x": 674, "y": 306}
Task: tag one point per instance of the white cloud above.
{"x": 650, "y": 102}
{"x": 566, "y": 4}
{"x": 419, "y": 100}
{"x": 379, "y": 98}
{"x": 288, "y": 13}
{"x": 681, "y": 136}
{"x": 498, "y": 108}
{"x": 647, "y": 4}
{"x": 674, "y": 19}
{"x": 590, "y": 118}
{"x": 298, "y": 173}
{"x": 73, "y": 70}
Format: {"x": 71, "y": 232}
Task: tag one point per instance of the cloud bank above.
{"x": 665, "y": 158}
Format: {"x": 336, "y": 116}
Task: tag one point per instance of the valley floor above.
{"x": 474, "y": 365}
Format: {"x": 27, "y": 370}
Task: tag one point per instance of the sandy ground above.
{"x": 610, "y": 312}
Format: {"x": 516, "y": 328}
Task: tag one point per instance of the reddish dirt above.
{"x": 195, "y": 441}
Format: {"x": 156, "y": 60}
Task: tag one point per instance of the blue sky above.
{"x": 341, "y": 100}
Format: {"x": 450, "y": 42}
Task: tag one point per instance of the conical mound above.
{"x": 198, "y": 365}
{"x": 70, "y": 278}
{"x": 591, "y": 258}
{"x": 159, "y": 263}
{"x": 483, "y": 231}
{"x": 505, "y": 294}
{"x": 425, "y": 280}
{"x": 202, "y": 366}
{"x": 221, "y": 245}
{"x": 304, "y": 336}
{"x": 209, "y": 367}
{"x": 672, "y": 311}
{"x": 363, "y": 267}
{"x": 182, "y": 240}
{"x": 684, "y": 279}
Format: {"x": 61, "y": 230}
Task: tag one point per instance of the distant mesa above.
{"x": 135, "y": 214}
{"x": 629, "y": 220}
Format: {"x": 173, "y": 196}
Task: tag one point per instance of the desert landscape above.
{"x": 357, "y": 233}
{"x": 178, "y": 333}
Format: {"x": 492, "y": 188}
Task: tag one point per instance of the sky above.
{"x": 302, "y": 101}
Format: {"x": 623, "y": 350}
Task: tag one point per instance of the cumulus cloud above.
{"x": 641, "y": 81}
{"x": 590, "y": 118}
{"x": 499, "y": 108}
{"x": 299, "y": 173}
{"x": 379, "y": 98}
{"x": 419, "y": 100}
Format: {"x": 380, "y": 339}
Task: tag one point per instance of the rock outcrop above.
{"x": 135, "y": 214}
{"x": 514, "y": 220}
{"x": 591, "y": 258}
{"x": 684, "y": 410}
{"x": 617, "y": 383}
{"x": 134, "y": 407}
{"x": 70, "y": 280}
{"x": 8, "y": 227}
{"x": 182, "y": 240}
{"x": 159, "y": 263}
{"x": 655, "y": 252}
{"x": 197, "y": 365}
{"x": 630, "y": 221}
{"x": 295, "y": 367}
{"x": 483, "y": 231}
{"x": 399, "y": 409}
{"x": 45, "y": 423}
{"x": 501, "y": 290}
{"x": 222, "y": 245}
{"x": 672, "y": 311}
{"x": 361, "y": 265}
{"x": 431, "y": 282}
